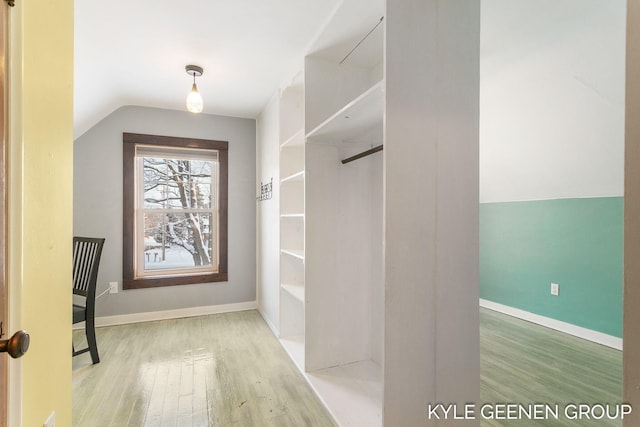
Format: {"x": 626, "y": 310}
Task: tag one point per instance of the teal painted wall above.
{"x": 577, "y": 243}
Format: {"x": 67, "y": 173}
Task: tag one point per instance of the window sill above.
{"x": 154, "y": 282}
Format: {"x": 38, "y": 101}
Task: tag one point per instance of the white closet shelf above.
{"x": 358, "y": 116}
{"x": 294, "y": 253}
{"x": 298, "y": 176}
{"x": 352, "y": 392}
{"x": 297, "y": 291}
{"x": 294, "y": 346}
{"x": 296, "y": 140}
{"x": 293, "y": 215}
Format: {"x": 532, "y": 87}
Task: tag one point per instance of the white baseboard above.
{"x": 151, "y": 316}
{"x": 568, "y": 328}
{"x": 271, "y": 326}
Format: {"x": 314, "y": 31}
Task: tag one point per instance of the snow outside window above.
{"x": 176, "y": 212}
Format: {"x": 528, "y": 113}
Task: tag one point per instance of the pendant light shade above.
{"x": 194, "y": 99}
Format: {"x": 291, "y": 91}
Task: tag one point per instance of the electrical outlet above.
{"x": 113, "y": 287}
{"x": 555, "y": 289}
{"x": 51, "y": 421}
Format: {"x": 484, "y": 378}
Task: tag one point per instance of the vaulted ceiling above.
{"x": 134, "y": 53}
{"x": 552, "y": 85}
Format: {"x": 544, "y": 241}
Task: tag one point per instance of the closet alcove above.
{"x": 374, "y": 307}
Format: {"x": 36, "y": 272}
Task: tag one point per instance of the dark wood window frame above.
{"x": 130, "y": 141}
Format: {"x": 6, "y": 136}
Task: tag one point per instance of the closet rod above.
{"x": 363, "y": 154}
{"x": 361, "y": 40}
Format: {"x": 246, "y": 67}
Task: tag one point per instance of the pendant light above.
{"x": 194, "y": 99}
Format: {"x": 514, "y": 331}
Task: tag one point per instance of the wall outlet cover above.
{"x": 555, "y": 289}
{"x": 113, "y": 287}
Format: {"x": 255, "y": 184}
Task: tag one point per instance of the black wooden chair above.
{"x": 86, "y": 259}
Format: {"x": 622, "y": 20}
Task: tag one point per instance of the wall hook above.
{"x": 266, "y": 190}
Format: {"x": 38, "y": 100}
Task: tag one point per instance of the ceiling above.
{"x": 136, "y": 54}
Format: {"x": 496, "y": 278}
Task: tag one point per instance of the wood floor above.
{"x": 525, "y": 363}
{"x": 229, "y": 370}
{"x": 219, "y": 370}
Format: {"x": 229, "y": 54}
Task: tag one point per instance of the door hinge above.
{"x": 1, "y": 331}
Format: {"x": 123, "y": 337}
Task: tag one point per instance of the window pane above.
{"x": 177, "y": 184}
{"x": 178, "y": 240}
{"x": 175, "y": 211}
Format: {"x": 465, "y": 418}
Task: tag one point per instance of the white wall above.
{"x": 268, "y": 220}
{"x": 97, "y": 206}
{"x": 551, "y": 99}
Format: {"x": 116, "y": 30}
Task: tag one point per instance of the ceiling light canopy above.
{"x": 194, "y": 99}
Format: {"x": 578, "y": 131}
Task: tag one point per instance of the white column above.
{"x": 431, "y": 208}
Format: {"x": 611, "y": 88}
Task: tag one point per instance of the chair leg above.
{"x": 90, "y": 331}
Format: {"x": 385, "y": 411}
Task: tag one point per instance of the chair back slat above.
{"x": 86, "y": 258}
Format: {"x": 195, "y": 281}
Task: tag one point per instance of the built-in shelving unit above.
{"x": 299, "y": 254}
{"x": 294, "y": 345}
{"x": 366, "y": 325}
{"x": 358, "y": 117}
{"x": 295, "y": 215}
{"x": 297, "y": 291}
{"x": 292, "y": 220}
{"x": 297, "y": 176}
{"x": 296, "y": 140}
{"x": 344, "y": 110}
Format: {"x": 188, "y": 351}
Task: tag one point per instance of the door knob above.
{"x": 16, "y": 346}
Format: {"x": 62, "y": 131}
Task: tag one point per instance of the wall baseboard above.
{"x": 273, "y": 328}
{"x": 151, "y": 316}
{"x": 568, "y": 328}
{"x": 577, "y": 331}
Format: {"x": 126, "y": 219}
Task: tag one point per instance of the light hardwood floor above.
{"x": 525, "y": 363}
{"x": 218, "y": 370}
{"x": 229, "y": 370}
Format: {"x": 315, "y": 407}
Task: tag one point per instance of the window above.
{"x": 175, "y": 211}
